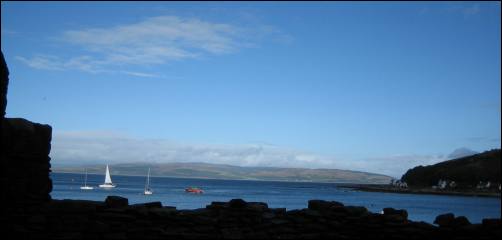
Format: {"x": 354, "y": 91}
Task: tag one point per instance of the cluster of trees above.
{"x": 467, "y": 172}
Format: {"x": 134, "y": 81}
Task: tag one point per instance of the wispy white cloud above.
{"x": 50, "y": 62}
{"x": 153, "y": 41}
{"x": 109, "y": 147}
{"x": 162, "y": 38}
{"x": 81, "y": 63}
{"x": 44, "y": 62}
{"x": 139, "y": 74}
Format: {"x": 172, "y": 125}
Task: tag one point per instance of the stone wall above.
{"x": 26, "y": 162}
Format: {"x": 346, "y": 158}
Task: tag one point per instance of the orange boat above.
{"x": 193, "y": 190}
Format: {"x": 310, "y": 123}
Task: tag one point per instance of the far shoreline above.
{"x": 388, "y": 189}
{"x": 226, "y": 179}
{"x": 365, "y": 187}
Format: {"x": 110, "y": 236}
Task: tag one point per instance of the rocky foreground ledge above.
{"x": 236, "y": 219}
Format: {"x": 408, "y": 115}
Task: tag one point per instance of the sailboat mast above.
{"x": 147, "y": 180}
{"x": 85, "y": 183}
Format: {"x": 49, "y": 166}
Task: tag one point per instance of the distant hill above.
{"x": 466, "y": 171}
{"x": 218, "y": 171}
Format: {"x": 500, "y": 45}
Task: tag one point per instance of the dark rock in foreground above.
{"x": 116, "y": 202}
{"x": 449, "y": 220}
{"x": 25, "y": 162}
{"x": 236, "y": 219}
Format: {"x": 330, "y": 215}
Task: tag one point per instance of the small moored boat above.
{"x": 85, "y": 187}
{"x": 108, "y": 180}
{"x": 148, "y": 190}
{"x": 194, "y": 190}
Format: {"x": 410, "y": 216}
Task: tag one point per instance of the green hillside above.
{"x": 467, "y": 172}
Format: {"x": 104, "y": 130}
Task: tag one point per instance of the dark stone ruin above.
{"x": 26, "y": 148}
{"x": 29, "y": 213}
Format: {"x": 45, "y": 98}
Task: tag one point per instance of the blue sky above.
{"x": 364, "y": 86}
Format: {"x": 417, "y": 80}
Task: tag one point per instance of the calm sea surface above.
{"x": 289, "y": 195}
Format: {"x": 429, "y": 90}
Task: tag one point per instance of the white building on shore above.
{"x": 444, "y": 184}
{"x": 398, "y": 183}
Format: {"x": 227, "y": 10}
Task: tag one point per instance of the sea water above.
{"x": 289, "y": 195}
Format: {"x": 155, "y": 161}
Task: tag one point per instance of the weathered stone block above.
{"x": 148, "y": 205}
{"x": 356, "y": 211}
{"x": 257, "y": 206}
{"x": 395, "y": 215}
{"x": 116, "y": 202}
{"x": 461, "y": 221}
{"x": 21, "y": 136}
{"x": 237, "y": 203}
{"x": 444, "y": 220}
{"x": 322, "y": 205}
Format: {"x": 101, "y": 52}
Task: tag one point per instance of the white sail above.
{"x": 108, "y": 179}
{"x": 148, "y": 191}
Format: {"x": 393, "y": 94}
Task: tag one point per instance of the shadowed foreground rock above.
{"x": 25, "y": 161}
{"x": 237, "y": 219}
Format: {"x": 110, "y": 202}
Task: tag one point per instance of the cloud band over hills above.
{"x": 108, "y": 148}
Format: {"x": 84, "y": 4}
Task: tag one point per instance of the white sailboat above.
{"x": 148, "y": 191}
{"x": 85, "y": 187}
{"x": 108, "y": 180}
